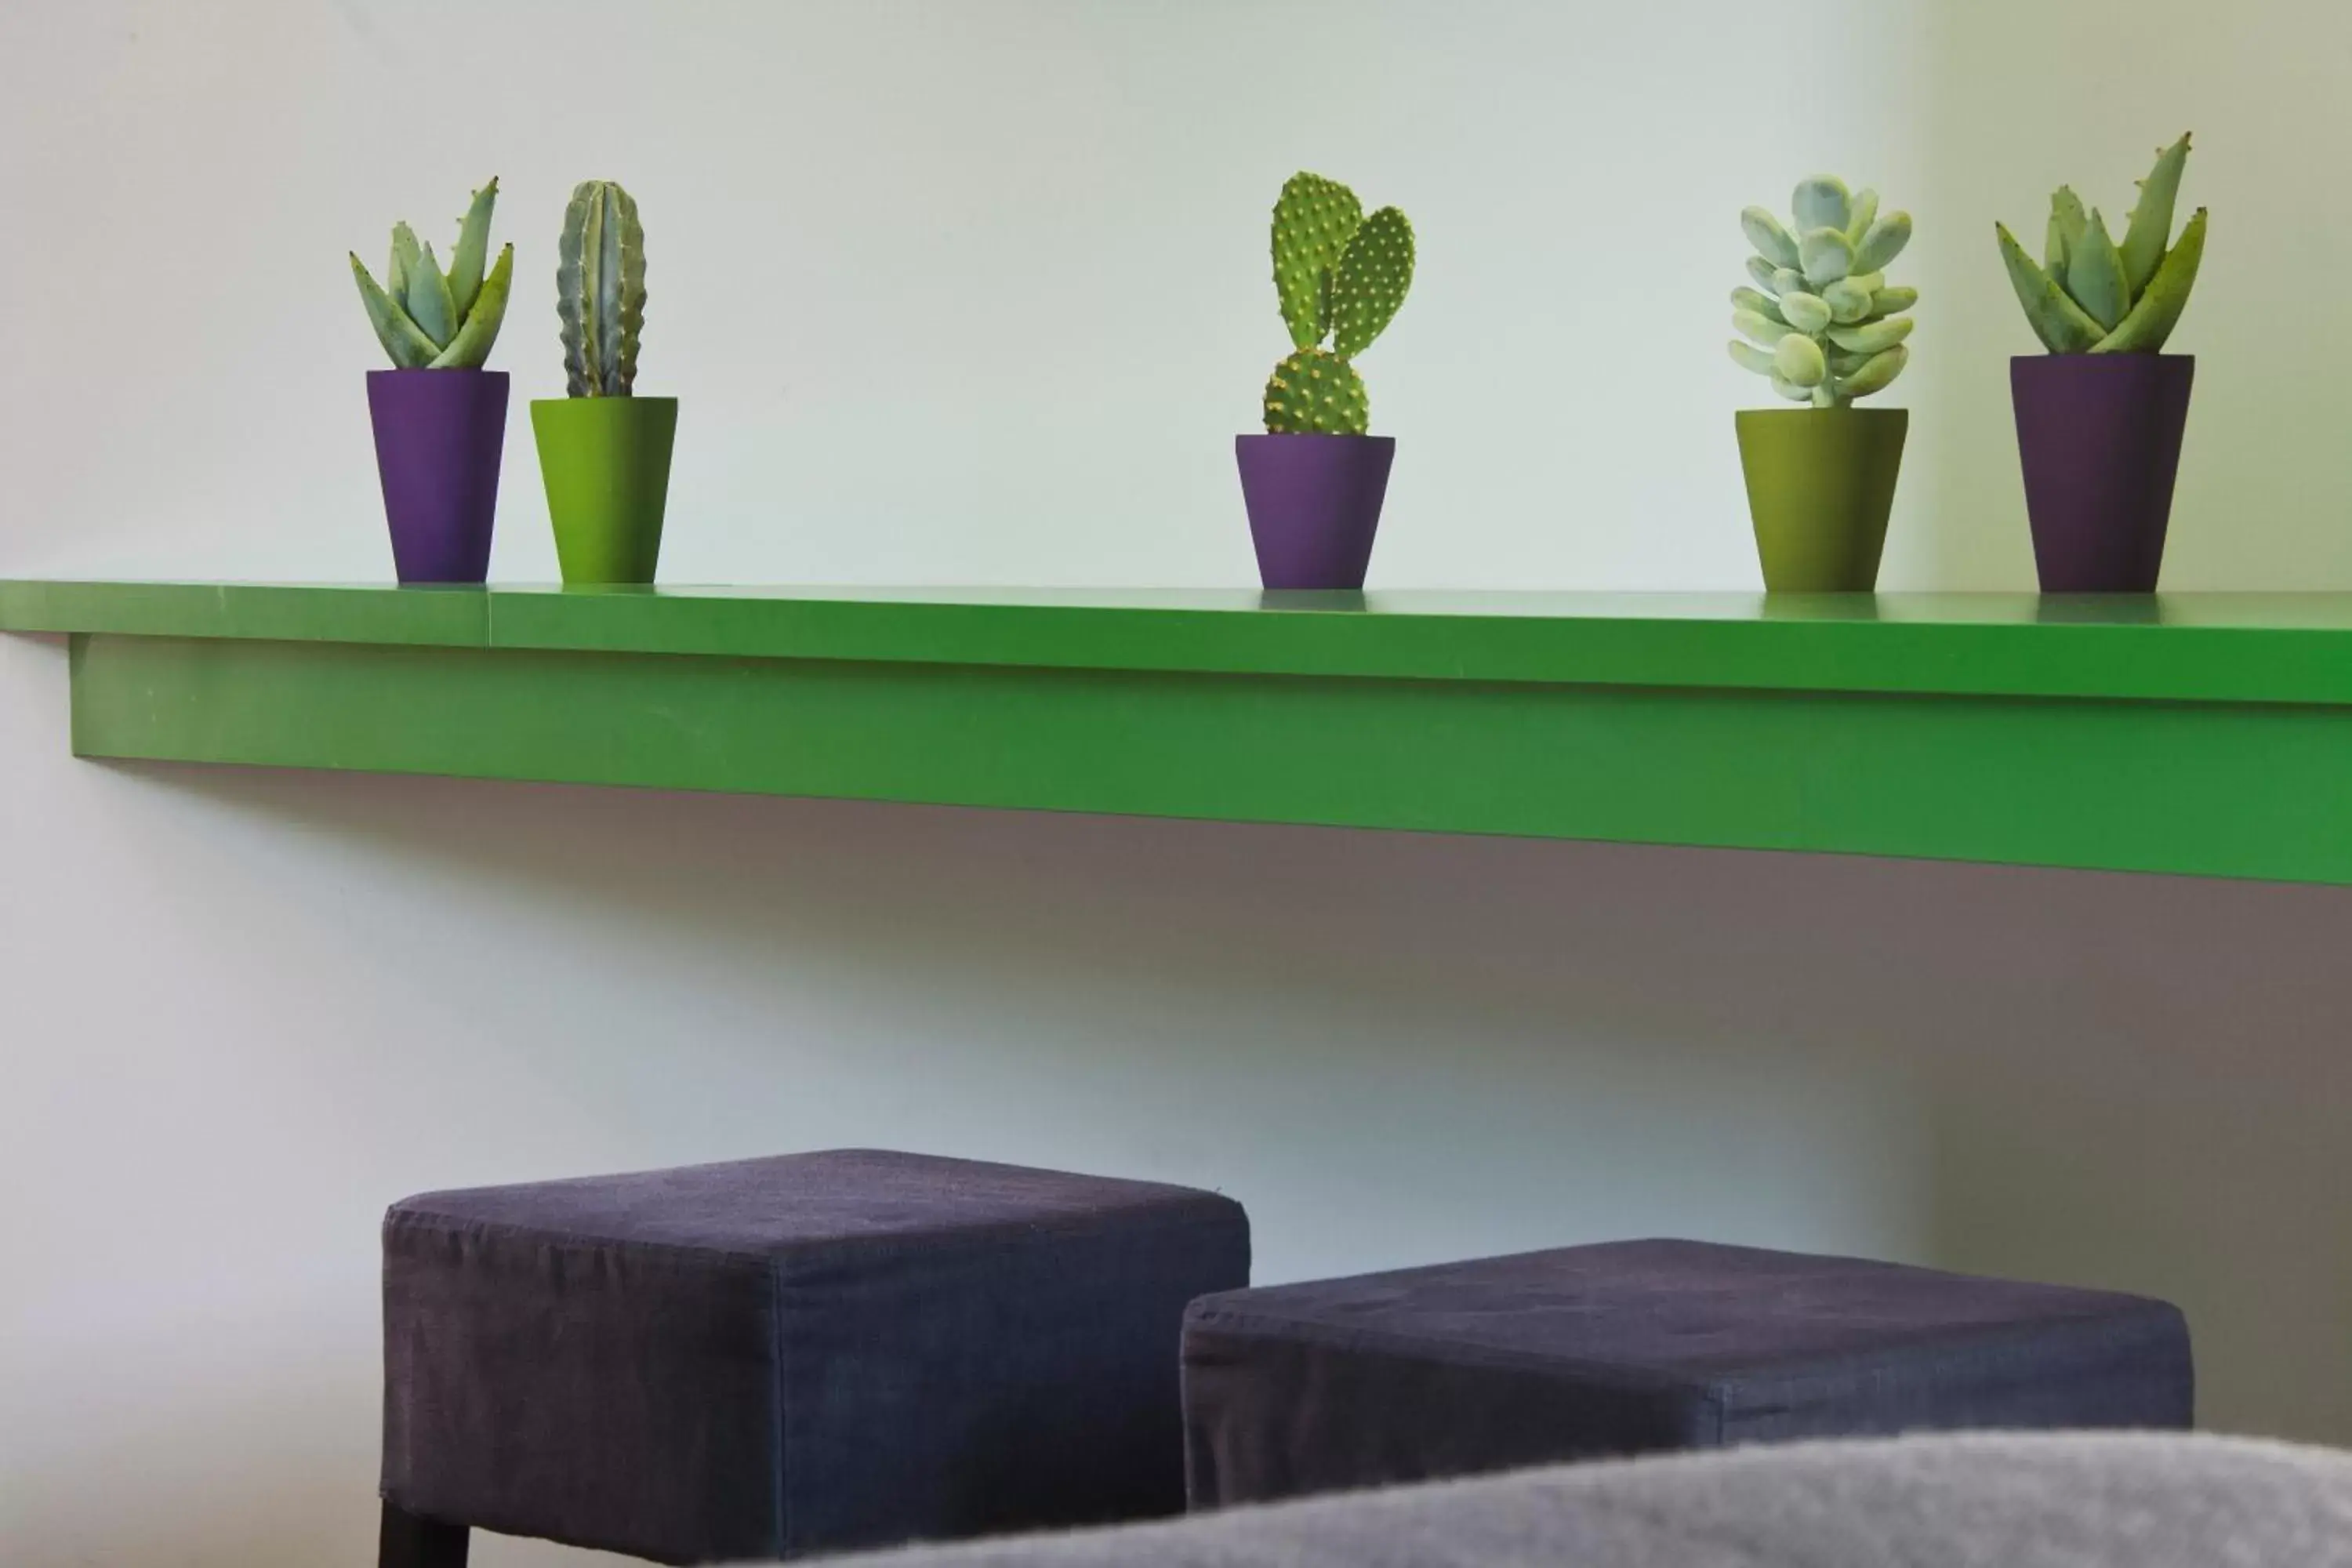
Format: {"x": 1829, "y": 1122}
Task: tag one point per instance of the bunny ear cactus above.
{"x": 600, "y": 291}
{"x": 1339, "y": 276}
{"x": 1821, "y": 321}
{"x": 428, "y": 319}
{"x": 2090, "y": 295}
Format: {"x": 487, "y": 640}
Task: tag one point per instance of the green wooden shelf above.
{"x": 2198, "y": 734}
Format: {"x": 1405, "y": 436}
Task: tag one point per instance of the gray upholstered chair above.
{"x": 1942, "y": 1501}
{"x": 776, "y": 1357}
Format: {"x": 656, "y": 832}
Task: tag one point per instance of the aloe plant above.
{"x": 600, "y": 291}
{"x": 1821, "y": 321}
{"x": 429, "y": 319}
{"x": 2090, "y": 295}
{"x": 1339, "y": 276}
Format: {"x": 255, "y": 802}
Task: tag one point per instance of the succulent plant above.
{"x": 1341, "y": 276}
{"x": 431, "y": 319}
{"x": 2092, "y": 295}
{"x": 1821, "y": 321}
{"x": 600, "y": 291}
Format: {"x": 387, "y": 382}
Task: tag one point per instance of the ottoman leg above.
{"x": 409, "y": 1541}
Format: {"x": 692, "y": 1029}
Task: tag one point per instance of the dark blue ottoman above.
{"x": 782, "y": 1356}
{"x": 1641, "y": 1346}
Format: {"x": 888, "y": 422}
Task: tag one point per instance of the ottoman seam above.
{"x": 841, "y": 1249}
{"x": 783, "y": 1468}
{"x": 413, "y": 1219}
{"x": 1454, "y": 1351}
{"x": 1987, "y": 1336}
{"x": 819, "y": 1250}
{"x": 1461, "y": 1352}
{"x": 1892, "y": 1359}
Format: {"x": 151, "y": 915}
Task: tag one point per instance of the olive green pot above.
{"x": 1820, "y": 484}
{"x": 607, "y": 464}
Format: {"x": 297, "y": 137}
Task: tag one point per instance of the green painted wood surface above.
{"x": 2196, "y": 736}
{"x": 2238, "y": 647}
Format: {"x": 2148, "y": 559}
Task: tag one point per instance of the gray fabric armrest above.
{"x": 1970, "y": 1501}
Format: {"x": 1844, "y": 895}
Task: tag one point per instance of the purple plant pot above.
{"x": 438, "y": 436}
{"x": 2099, "y": 438}
{"x": 1314, "y": 505}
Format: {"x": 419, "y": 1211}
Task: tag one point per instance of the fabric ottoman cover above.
{"x": 779, "y": 1356}
{"x": 1643, "y": 1346}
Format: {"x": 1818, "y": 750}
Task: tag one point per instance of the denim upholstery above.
{"x": 804, "y": 1353}
{"x": 1643, "y": 1347}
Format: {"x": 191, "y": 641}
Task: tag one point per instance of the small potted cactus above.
{"x": 603, "y": 450}
{"x": 440, "y": 418}
{"x": 1314, "y": 482}
{"x": 1824, "y": 325}
{"x": 2100, "y": 416}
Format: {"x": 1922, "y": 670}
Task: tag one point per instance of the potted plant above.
{"x": 2100, "y": 417}
{"x": 1314, "y": 482}
{"x": 440, "y": 418}
{"x": 1823, "y": 322}
{"x": 604, "y": 451}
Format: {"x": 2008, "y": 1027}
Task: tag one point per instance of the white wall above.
{"x": 975, "y": 293}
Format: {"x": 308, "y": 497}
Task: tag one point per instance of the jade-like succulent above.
{"x": 430, "y": 319}
{"x": 600, "y": 291}
{"x": 1821, "y": 321}
{"x": 2092, "y": 295}
{"x": 1341, "y": 276}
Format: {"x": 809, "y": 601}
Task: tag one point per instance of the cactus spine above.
{"x": 1821, "y": 321}
{"x": 600, "y": 291}
{"x": 430, "y": 319}
{"x": 1337, "y": 275}
{"x": 2089, "y": 295}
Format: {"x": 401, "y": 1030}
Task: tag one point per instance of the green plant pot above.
{"x": 607, "y": 464}
{"x": 1820, "y": 484}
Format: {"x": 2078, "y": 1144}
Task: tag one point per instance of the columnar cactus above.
{"x": 430, "y": 319}
{"x": 2092, "y": 296}
{"x": 1340, "y": 274}
{"x": 1822, "y": 322}
{"x": 600, "y": 291}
